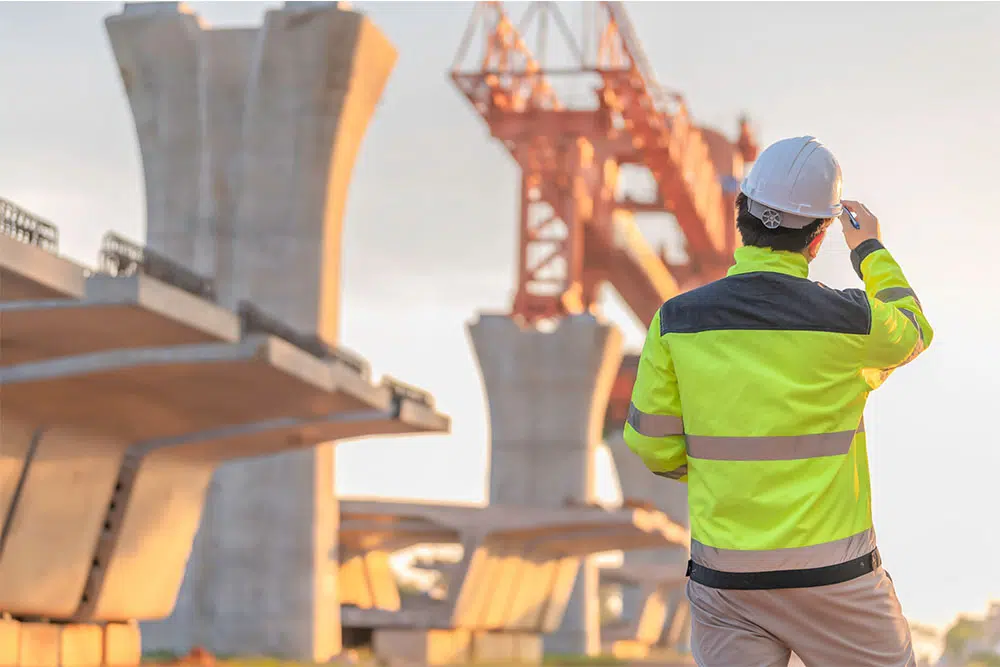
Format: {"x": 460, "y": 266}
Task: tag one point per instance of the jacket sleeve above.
{"x": 654, "y": 429}
{"x": 899, "y": 330}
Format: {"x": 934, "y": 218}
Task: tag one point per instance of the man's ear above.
{"x": 814, "y": 245}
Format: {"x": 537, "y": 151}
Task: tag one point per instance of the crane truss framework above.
{"x": 574, "y": 232}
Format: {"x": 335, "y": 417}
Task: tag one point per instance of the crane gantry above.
{"x": 577, "y": 227}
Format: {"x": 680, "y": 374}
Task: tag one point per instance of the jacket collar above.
{"x": 750, "y": 259}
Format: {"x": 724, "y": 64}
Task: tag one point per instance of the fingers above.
{"x": 857, "y": 208}
{"x": 866, "y": 226}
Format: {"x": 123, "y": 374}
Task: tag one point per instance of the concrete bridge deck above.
{"x": 112, "y": 313}
{"x": 31, "y": 272}
{"x": 121, "y": 395}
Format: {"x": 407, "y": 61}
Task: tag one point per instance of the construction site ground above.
{"x": 602, "y": 661}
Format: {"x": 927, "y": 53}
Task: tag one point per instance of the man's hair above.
{"x": 754, "y": 232}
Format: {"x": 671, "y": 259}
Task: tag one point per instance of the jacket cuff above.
{"x": 864, "y": 249}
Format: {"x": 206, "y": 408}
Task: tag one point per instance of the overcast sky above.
{"x": 907, "y": 96}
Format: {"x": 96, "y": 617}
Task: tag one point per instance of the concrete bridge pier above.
{"x": 547, "y": 394}
{"x": 248, "y": 141}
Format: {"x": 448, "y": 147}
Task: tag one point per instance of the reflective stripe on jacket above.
{"x": 752, "y": 390}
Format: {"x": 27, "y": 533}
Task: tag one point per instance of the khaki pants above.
{"x": 857, "y": 623}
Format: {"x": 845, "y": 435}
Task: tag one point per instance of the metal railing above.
{"x": 409, "y": 392}
{"x": 121, "y": 257}
{"x": 255, "y": 320}
{"x": 27, "y": 227}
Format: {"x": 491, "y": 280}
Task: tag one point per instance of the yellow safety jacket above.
{"x": 752, "y": 390}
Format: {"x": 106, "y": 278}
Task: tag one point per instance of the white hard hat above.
{"x": 794, "y": 182}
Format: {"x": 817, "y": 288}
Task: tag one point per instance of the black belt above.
{"x": 817, "y": 576}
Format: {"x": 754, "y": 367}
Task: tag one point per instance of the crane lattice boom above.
{"x": 576, "y": 225}
{"x": 575, "y": 230}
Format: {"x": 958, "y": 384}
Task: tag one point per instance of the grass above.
{"x": 163, "y": 659}
{"x": 557, "y": 660}
{"x": 569, "y": 661}
{"x": 365, "y": 660}
{"x": 154, "y": 659}
{"x": 554, "y": 661}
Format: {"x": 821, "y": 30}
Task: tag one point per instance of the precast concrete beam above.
{"x": 31, "y": 272}
{"x": 647, "y": 626}
{"x": 112, "y": 313}
{"x": 639, "y": 574}
{"x": 559, "y": 529}
{"x": 658, "y": 596}
{"x": 529, "y": 600}
{"x": 428, "y": 616}
{"x": 678, "y": 626}
{"x": 367, "y": 581}
{"x": 519, "y": 563}
{"x": 84, "y": 413}
{"x": 162, "y": 488}
{"x": 145, "y": 393}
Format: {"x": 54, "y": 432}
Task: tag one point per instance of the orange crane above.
{"x": 577, "y": 227}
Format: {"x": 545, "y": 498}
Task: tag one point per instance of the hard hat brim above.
{"x": 767, "y": 214}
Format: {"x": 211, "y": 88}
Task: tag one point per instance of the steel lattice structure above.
{"x": 576, "y": 229}
{"x": 576, "y": 225}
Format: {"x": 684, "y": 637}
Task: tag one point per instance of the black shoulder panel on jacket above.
{"x": 767, "y": 301}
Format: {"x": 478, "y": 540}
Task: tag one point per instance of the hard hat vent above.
{"x": 771, "y": 218}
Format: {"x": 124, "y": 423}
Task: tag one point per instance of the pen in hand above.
{"x": 854, "y": 221}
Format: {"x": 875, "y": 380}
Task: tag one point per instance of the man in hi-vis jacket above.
{"x": 752, "y": 390}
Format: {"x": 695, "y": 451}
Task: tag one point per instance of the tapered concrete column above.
{"x": 667, "y": 495}
{"x": 157, "y": 46}
{"x": 228, "y": 58}
{"x": 187, "y": 87}
{"x": 261, "y": 128}
{"x": 321, "y": 72}
{"x": 547, "y": 394}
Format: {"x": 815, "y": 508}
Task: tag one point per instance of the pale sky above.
{"x": 906, "y": 95}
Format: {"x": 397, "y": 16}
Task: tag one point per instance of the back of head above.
{"x": 791, "y": 192}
